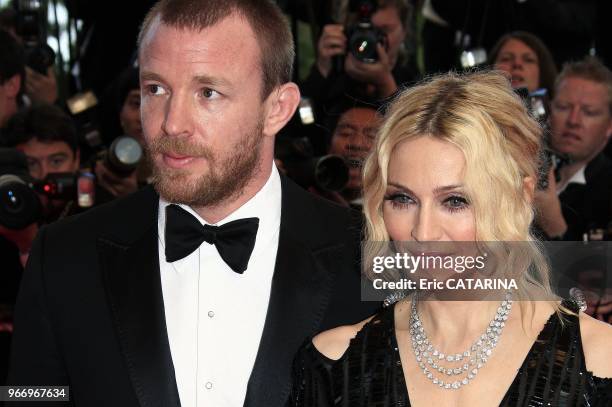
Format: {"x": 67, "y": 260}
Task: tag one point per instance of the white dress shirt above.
{"x": 214, "y": 316}
{"x": 577, "y": 178}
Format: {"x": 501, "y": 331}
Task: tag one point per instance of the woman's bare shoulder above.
{"x": 333, "y": 343}
{"x": 596, "y": 338}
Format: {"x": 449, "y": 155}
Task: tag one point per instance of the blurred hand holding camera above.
{"x": 377, "y": 73}
{"x": 550, "y": 217}
{"x": 41, "y": 88}
{"x": 331, "y": 43}
{"x": 118, "y": 185}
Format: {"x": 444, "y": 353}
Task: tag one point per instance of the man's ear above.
{"x": 280, "y": 107}
{"x": 529, "y": 185}
{"x": 13, "y": 85}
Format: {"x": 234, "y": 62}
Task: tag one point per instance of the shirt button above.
{"x": 211, "y": 314}
{"x": 208, "y": 385}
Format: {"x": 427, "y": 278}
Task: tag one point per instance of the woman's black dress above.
{"x": 370, "y": 371}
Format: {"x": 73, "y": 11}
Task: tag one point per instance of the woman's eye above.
{"x": 455, "y": 203}
{"x": 399, "y": 200}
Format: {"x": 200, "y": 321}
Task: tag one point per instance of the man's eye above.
{"x": 208, "y": 93}
{"x": 155, "y": 90}
{"x": 56, "y": 162}
{"x": 592, "y": 112}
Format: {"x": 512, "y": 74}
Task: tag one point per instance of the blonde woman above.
{"x": 456, "y": 161}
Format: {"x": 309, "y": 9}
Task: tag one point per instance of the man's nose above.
{"x": 517, "y": 63}
{"x": 43, "y": 171}
{"x": 427, "y": 227}
{"x": 178, "y": 118}
{"x": 574, "y": 118}
{"x": 356, "y": 143}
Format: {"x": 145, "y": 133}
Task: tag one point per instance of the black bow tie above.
{"x": 234, "y": 240}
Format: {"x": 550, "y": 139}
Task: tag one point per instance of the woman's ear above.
{"x": 529, "y": 185}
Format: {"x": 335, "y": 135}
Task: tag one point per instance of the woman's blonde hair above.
{"x": 480, "y": 114}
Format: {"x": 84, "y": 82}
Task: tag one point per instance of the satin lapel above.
{"x": 133, "y": 288}
{"x": 300, "y": 293}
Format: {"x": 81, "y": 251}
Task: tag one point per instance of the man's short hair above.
{"x": 591, "y": 69}
{"x": 12, "y": 58}
{"x": 265, "y": 17}
{"x": 45, "y": 123}
{"x": 404, "y": 10}
{"x": 342, "y": 105}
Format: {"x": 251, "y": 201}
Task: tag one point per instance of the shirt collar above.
{"x": 265, "y": 205}
{"x": 577, "y": 178}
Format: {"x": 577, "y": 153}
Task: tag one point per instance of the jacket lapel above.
{"x": 303, "y": 277}
{"x": 130, "y": 271}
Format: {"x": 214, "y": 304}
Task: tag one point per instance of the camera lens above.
{"x": 11, "y": 200}
{"x": 124, "y": 155}
{"x": 363, "y": 46}
{"x": 19, "y": 204}
{"x": 331, "y": 173}
{"x": 128, "y": 151}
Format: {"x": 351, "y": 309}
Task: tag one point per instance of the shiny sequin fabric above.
{"x": 370, "y": 371}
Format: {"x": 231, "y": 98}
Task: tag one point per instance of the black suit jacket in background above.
{"x": 90, "y": 310}
{"x": 588, "y": 206}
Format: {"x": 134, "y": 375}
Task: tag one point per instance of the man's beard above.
{"x": 224, "y": 180}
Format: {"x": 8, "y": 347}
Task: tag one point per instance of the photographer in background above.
{"x": 352, "y": 139}
{"x": 376, "y": 79}
{"x": 48, "y": 138}
{"x": 41, "y": 86}
{"x": 580, "y": 205}
{"x": 123, "y": 117}
{"x": 12, "y": 74}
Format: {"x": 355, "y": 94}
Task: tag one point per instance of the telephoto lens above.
{"x": 123, "y": 155}
{"x": 19, "y": 204}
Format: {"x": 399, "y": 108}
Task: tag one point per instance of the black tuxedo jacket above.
{"x": 589, "y": 206}
{"x": 90, "y": 311}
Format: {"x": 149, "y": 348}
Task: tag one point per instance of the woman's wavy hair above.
{"x": 480, "y": 114}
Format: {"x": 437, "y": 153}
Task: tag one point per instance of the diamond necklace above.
{"x": 430, "y": 359}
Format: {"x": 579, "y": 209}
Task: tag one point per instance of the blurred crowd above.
{"x": 68, "y": 146}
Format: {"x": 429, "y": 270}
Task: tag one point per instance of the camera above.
{"x": 363, "y": 36}
{"x": 20, "y": 203}
{"x": 123, "y": 155}
{"x": 328, "y": 172}
{"x": 538, "y": 105}
{"x": 32, "y": 28}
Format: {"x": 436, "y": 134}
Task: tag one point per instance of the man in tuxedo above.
{"x": 197, "y": 292}
{"x": 580, "y": 204}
